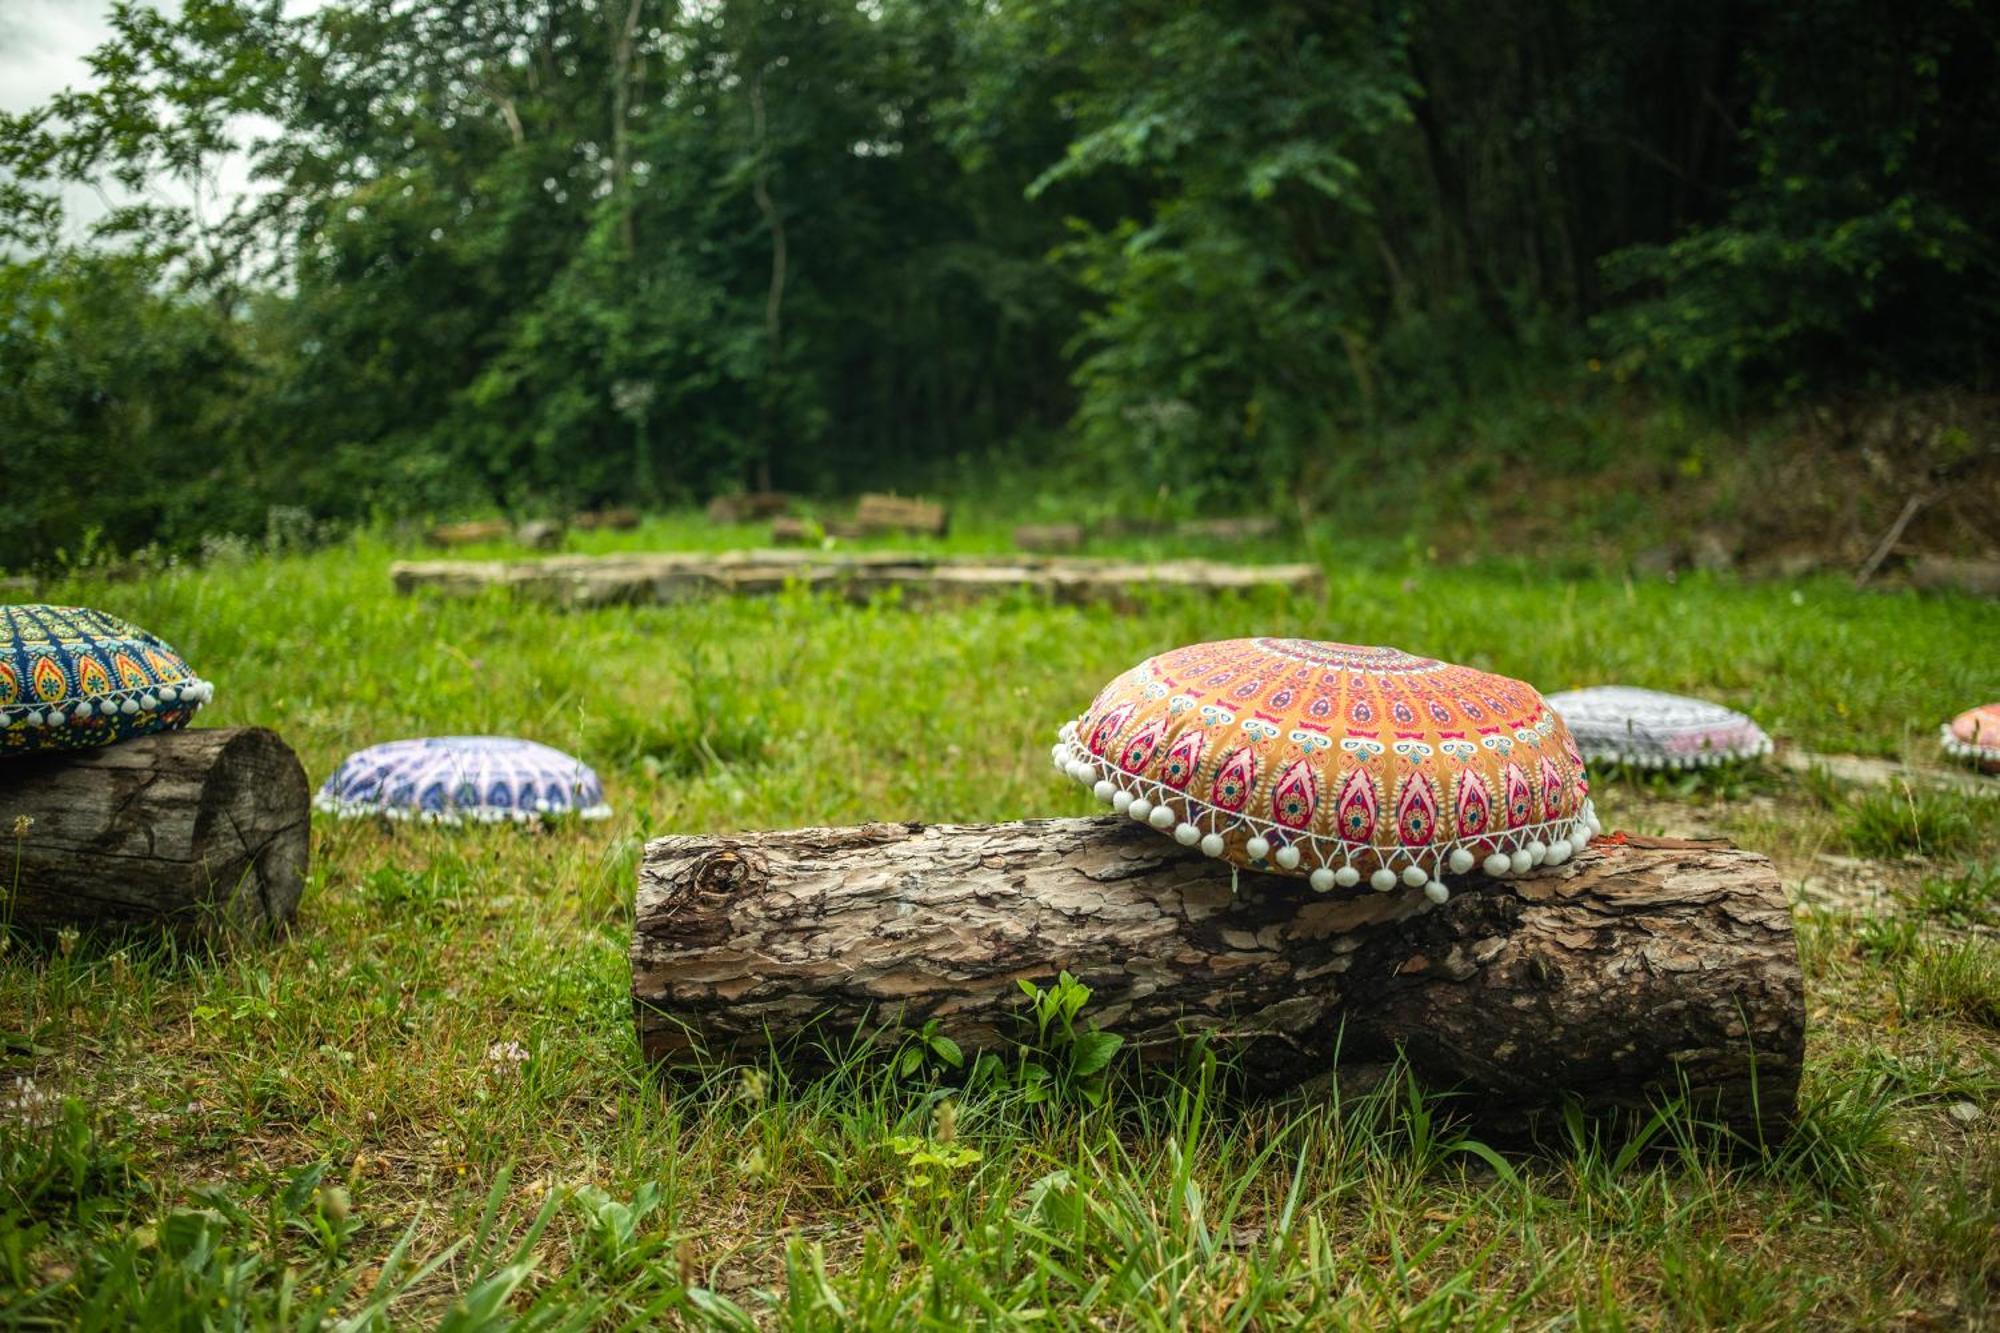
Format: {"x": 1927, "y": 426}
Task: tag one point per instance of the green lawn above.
{"x": 428, "y": 1099}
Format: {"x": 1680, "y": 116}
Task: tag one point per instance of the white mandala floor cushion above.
{"x": 1621, "y": 724}
{"x": 458, "y": 779}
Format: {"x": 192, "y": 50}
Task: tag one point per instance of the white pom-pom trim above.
{"x": 107, "y": 705}
{"x": 1194, "y": 822}
{"x": 1631, "y": 755}
{"x": 1958, "y": 749}
{"x": 453, "y": 818}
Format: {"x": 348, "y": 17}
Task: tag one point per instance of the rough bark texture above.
{"x": 206, "y": 831}
{"x": 1632, "y": 971}
{"x": 609, "y": 580}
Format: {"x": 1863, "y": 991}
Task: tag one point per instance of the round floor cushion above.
{"x": 1975, "y": 735}
{"x": 72, "y": 678}
{"x": 1339, "y": 763}
{"x": 1622, "y": 724}
{"x": 455, "y": 779}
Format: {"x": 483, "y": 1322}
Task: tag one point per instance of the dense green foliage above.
{"x": 551, "y": 254}
{"x": 426, "y": 1106}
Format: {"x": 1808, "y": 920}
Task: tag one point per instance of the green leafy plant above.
{"x": 1065, "y": 1059}
{"x": 926, "y": 1044}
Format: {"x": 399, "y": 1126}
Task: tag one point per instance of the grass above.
{"x": 426, "y": 1106}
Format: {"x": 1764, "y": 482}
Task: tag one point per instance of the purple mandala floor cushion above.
{"x": 1335, "y": 763}
{"x": 1975, "y": 735}
{"x": 461, "y": 779}
{"x": 72, "y": 678}
{"x": 1621, "y": 724}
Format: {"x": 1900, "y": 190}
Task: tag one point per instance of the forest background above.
{"x": 1539, "y": 267}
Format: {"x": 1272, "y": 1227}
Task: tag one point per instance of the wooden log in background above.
{"x": 748, "y": 506}
{"x": 639, "y": 579}
{"x": 1049, "y": 537}
{"x": 607, "y": 519}
{"x": 876, "y": 514}
{"x": 791, "y": 530}
{"x": 1632, "y": 971}
{"x": 1243, "y": 529}
{"x": 207, "y": 831}
{"x": 470, "y": 533}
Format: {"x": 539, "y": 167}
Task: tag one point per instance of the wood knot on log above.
{"x": 723, "y": 873}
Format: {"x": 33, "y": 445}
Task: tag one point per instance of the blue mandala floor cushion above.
{"x": 1335, "y": 763}
{"x": 72, "y": 678}
{"x": 463, "y": 779}
{"x": 1621, "y": 724}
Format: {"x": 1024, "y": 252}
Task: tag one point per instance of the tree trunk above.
{"x": 1636, "y": 970}
{"x": 206, "y": 831}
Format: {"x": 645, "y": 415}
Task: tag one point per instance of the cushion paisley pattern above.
{"x": 1335, "y": 762}
{"x": 455, "y": 779}
{"x": 1975, "y": 735}
{"x": 72, "y": 678}
{"x": 1622, "y": 724}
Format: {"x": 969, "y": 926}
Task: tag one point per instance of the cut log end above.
{"x": 205, "y": 831}
{"x": 1635, "y": 972}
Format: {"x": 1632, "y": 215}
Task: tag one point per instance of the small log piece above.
{"x": 615, "y": 519}
{"x": 790, "y": 530}
{"x": 748, "y": 506}
{"x": 540, "y": 535}
{"x": 1228, "y": 529}
{"x": 1636, "y": 970}
{"x": 206, "y": 831}
{"x": 471, "y": 533}
{"x": 877, "y": 514}
{"x": 1049, "y": 537}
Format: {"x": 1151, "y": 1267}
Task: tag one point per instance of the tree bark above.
{"x": 206, "y": 831}
{"x": 1637, "y": 970}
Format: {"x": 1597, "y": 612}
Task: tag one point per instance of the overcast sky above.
{"x": 43, "y": 44}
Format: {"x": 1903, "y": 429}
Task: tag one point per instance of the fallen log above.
{"x": 1635, "y": 971}
{"x": 205, "y": 831}
{"x": 643, "y": 579}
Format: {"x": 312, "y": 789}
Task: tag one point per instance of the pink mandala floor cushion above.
{"x": 460, "y": 779}
{"x": 1336, "y": 763}
{"x": 1975, "y": 735}
{"x": 72, "y": 678}
{"x": 1621, "y": 724}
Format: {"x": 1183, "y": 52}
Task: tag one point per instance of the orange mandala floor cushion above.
{"x": 1336, "y": 763}
{"x": 1975, "y": 735}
